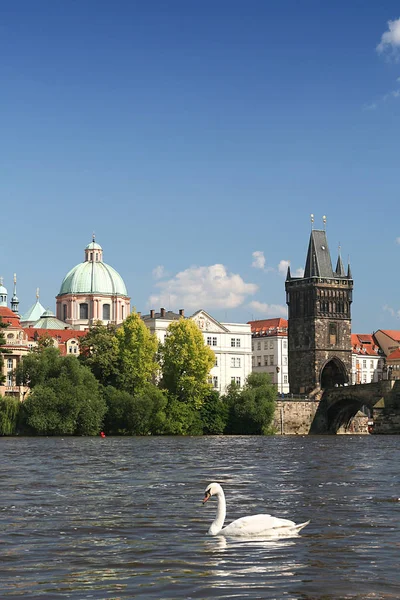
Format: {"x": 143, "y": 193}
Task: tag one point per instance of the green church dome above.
{"x": 93, "y": 276}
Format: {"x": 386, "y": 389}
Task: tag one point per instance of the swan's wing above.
{"x": 257, "y": 525}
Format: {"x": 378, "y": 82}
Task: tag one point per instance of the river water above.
{"x": 122, "y": 517}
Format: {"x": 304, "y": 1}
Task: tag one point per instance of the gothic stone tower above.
{"x": 319, "y": 322}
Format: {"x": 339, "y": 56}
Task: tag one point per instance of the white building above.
{"x": 270, "y": 351}
{"x": 367, "y": 359}
{"x": 231, "y": 343}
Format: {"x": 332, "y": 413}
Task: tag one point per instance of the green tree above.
{"x": 137, "y": 350}
{"x": 251, "y": 410}
{"x": 65, "y": 397}
{"x": 3, "y": 349}
{"x": 182, "y": 418}
{"x": 214, "y": 414}
{"x": 9, "y": 409}
{"x": 186, "y": 362}
{"x": 143, "y": 414}
{"x": 37, "y": 367}
{"x": 99, "y": 352}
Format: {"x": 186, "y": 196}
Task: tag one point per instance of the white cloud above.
{"x": 205, "y": 287}
{"x": 390, "y": 40}
{"x": 269, "y": 310}
{"x": 258, "y": 260}
{"x": 158, "y": 272}
{"x": 283, "y": 267}
{"x": 392, "y": 311}
{"x": 372, "y": 106}
{"x": 299, "y": 272}
{"x": 398, "y": 240}
{"x": 392, "y": 94}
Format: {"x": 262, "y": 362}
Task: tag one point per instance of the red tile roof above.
{"x": 395, "y": 355}
{"x": 392, "y": 333}
{"x": 8, "y": 316}
{"x": 61, "y": 335}
{"x": 269, "y": 326}
{"x": 364, "y": 343}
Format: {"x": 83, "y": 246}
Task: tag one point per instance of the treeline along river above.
{"x": 122, "y": 517}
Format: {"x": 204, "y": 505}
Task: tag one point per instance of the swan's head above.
{"x": 211, "y": 490}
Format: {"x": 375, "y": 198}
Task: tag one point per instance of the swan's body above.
{"x": 255, "y": 525}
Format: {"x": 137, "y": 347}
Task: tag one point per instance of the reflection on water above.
{"x": 122, "y": 518}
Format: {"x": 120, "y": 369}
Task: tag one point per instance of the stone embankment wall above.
{"x": 386, "y": 413}
{"x": 386, "y": 421}
{"x": 294, "y": 417}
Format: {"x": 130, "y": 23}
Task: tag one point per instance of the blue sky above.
{"x": 189, "y": 136}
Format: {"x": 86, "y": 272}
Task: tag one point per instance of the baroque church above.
{"x": 92, "y": 291}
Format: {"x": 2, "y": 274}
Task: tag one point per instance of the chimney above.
{"x": 162, "y": 312}
{"x": 152, "y": 313}
{"x": 181, "y": 312}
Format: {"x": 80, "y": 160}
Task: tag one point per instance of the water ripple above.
{"x": 122, "y": 518}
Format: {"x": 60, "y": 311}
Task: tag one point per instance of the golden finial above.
{"x": 15, "y": 278}
{"x": 37, "y": 293}
{"x": 312, "y": 220}
{"x": 324, "y": 221}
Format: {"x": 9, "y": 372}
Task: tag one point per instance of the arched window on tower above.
{"x": 64, "y": 312}
{"x": 332, "y": 334}
{"x": 84, "y": 311}
{"x": 106, "y": 312}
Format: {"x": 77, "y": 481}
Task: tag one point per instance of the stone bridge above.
{"x": 339, "y": 405}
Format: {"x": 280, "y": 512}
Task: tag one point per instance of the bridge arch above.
{"x": 339, "y": 405}
{"x": 333, "y": 373}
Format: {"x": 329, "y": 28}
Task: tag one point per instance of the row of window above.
{"x": 214, "y": 381}
{"x": 84, "y": 311}
{"x": 212, "y": 341}
{"x": 271, "y": 345}
{"x": 372, "y": 364}
{"x": 235, "y": 362}
{"x": 268, "y": 360}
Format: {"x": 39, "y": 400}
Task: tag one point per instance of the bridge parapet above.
{"x": 367, "y": 394}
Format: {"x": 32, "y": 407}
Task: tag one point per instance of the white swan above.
{"x": 256, "y": 525}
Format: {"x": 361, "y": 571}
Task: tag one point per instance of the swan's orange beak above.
{"x": 207, "y": 496}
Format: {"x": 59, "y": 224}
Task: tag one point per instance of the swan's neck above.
{"x": 217, "y": 524}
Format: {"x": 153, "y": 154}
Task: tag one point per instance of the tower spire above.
{"x": 14, "y": 299}
{"x": 340, "y": 272}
